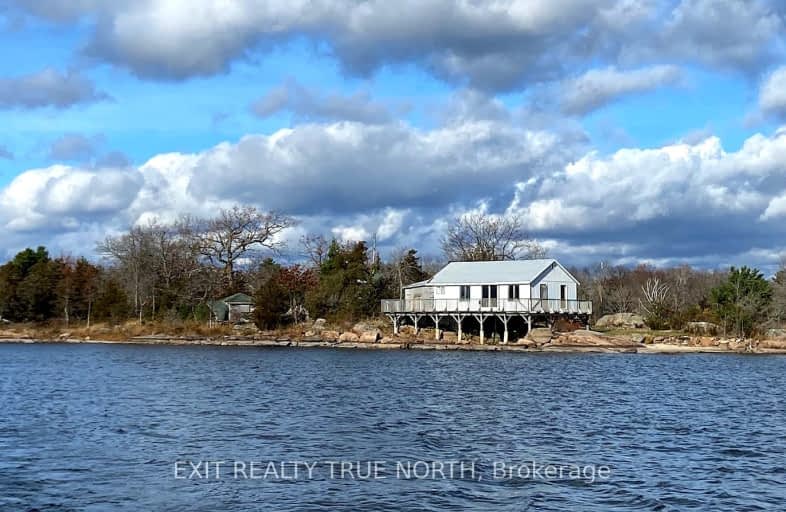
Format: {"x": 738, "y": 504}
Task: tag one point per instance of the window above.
{"x": 441, "y": 290}
{"x": 464, "y": 292}
{"x": 513, "y": 291}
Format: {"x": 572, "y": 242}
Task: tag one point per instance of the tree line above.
{"x": 172, "y": 271}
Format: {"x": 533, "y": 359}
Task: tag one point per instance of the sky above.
{"x": 626, "y": 131}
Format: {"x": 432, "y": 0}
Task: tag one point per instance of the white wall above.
{"x": 554, "y": 278}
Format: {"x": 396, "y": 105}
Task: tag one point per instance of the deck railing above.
{"x": 487, "y": 305}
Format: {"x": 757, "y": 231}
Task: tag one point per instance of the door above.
{"x": 563, "y": 296}
{"x": 489, "y": 296}
{"x": 544, "y": 297}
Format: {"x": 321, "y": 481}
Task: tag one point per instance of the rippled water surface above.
{"x": 93, "y": 427}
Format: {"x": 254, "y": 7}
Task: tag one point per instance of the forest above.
{"x": 170, "y": 272}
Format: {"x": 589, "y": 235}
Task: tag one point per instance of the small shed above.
{"x": 234, "y": 308}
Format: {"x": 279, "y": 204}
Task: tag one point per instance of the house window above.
{"x": 464, "y": 292}
{"x": 513, "y": 291}
{"x": 441, "y": 290}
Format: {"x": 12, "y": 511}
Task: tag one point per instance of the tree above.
{"x": 346, "y": 288}
{"x": 297, "y": 281}
{"x": 408, "y": 269}
{"x": 315, "y": 247}
{"x": 742, "y": 300}
{"x": 654, "y": 303}
{"x": 229, "y": 236}
{"x": 482, "y": 237}
{"x": 271, "y": 299}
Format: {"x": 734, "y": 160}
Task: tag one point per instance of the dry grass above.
{"x": 103, "y": 331}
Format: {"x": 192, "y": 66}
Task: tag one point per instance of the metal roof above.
{"x": 491, "y": 272}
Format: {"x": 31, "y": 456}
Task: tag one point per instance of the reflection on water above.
{"x": 94, "y": 427}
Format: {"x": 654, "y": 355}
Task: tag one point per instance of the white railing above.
{"x": 487, "y": 305}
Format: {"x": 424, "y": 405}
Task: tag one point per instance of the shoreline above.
{"x": 407, "y": 344}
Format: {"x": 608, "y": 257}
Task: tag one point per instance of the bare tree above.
{"x": 228, "y": 237}
{"x": 315, "y": 247}
{"x": 132, "y": 253}
{"x": 481, "y": 237}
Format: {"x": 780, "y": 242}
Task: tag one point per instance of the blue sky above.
{"x": 603, "y": 125}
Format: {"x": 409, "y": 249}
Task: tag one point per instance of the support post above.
{"x": 417, "y": 320}
{"x": 481, "y": 329}
{"x": 436, "y": 326}
{"x": 529, "y": 324}
{"x": 505, "y": 335}
{"x": 395, "y": 324}
{"x": 458, "y": 320}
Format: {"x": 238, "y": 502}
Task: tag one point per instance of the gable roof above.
{"x": 238, "y": 298}
{"x": 491, "y": 272}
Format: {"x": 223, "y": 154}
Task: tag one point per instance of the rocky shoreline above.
{"x": 572, "y": 342}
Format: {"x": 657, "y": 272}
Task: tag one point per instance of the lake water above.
{"x": 122, "y": 427}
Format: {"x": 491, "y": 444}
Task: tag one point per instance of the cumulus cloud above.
{"x": 772, "y": 95}
{"x": 48, "y": 88}
{"x": 677, "y": 201}
{"x": 488, "y": 44}
{"x": 690, "y": 202}
{"x": 310, "y": 105}
{"x": 599, "y": 87}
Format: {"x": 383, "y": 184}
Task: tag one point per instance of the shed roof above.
{"x": 491, "y": 272}
{"x": 238, "y": 298}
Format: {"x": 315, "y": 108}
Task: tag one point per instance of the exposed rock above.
{"x": 319, "y": 325}
{"x": 624, "y": 320}
{"x": 330, "y": 335}
{"x": 591, "y": 338}
{"x": 702, "y": 328}
{"x": 369, "y": 336}
{"x": 540, "y": 335}
{"x": 449, "y": 336}
{"x": 388, "y": 339}
{"x": 776, "y": 334}
{"x": 637, "y": 338}
{"x": 361, "y": 327}
{"x": 738, "y": 345}
{"x": 776, "y": 344}
{"x": 64, "y": 335}
{"x": 348, "y": 337}
{"x": 526, "y": 342}
{"x": 310, "y": 334}
{"x": 406, "y": 330}
{"x": 245, "y": 329}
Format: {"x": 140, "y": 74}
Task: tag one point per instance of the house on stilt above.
{"x": 539, "y": 290}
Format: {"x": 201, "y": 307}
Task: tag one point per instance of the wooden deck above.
{"x": 487, "y": 306}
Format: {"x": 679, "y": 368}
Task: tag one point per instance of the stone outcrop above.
{"x": 348, "y": 337}
{"x": 330, "y": 335}
{"x": 540, "y": 336}
{"x": 623, "y": 320}
{"x": 706, "y": 328}
{"x": 370, "y": 336}
{"x": 319, "y": 325}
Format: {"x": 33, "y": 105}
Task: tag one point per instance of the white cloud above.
{"x": 486, "y": 44}
{"x": 597, "y": 87}
{"x": 772, "y": 95}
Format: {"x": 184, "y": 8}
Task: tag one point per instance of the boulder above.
{"x": 348, "y": 337}
{"x": 707, "y": 342}
{"x": 319, "y": 325}
{"x": 369, "y": 336}
{"x": 637, "y": 338}
{"x": 330, "y": 335}
{"x": 388, "y": 339}
{"x": 623, "y": 320}
{"x": 526, "y": 343}
{"x": 361, "y": 327}
{"x": 540, "y": 335}
{"x": 584, "y": 338}
{"x": 707, "y": 328}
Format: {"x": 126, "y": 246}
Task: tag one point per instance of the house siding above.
{"x": 553, "y": 279}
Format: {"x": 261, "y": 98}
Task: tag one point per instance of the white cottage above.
{"x": 485, "y": 289}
